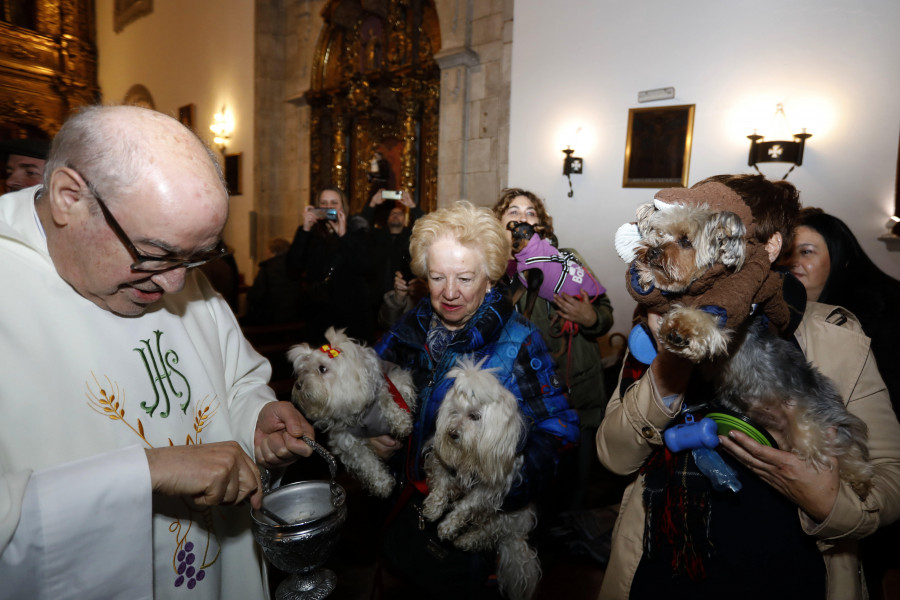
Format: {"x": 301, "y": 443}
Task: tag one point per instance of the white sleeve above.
{"x": 85, "y": 531}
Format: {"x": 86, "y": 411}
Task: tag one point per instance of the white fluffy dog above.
{"x": 343, "y": 387}
{"x": 472, "y": 466}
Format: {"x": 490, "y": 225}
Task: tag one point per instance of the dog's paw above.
{"x": 378, "y": 484}
{"x": 693, "y": 334}
{"x": 474, "y": 540}
{"x": 449, "y": 528}
{"x": 433, "y": 507}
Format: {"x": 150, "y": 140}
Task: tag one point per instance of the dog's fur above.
{"x": 344, "y": 394}
{"x": 472, "y": 466}
{"x": 678, "y": 246}
{"x": 764, "y": 377}
{"x": 768, "y": 378}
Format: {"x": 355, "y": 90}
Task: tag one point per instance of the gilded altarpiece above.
{"x": 376, "y": 89}
{"x": 48, "y": 64}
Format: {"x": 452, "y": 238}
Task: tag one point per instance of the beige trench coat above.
{"x": 832, "y": 340}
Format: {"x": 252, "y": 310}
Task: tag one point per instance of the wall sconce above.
{"x": 893, "y": 225}
{"x": 572, "y": 165}
{"x": 222, "y": 128}
{"x": 778, "y": 150}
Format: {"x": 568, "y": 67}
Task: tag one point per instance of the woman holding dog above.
{"x": 461, "y": 252}
{"x": 570, "y": 326}
{"x": 791, "y": 531}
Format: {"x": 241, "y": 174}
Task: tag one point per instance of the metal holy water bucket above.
{"x": 298, "y": 528}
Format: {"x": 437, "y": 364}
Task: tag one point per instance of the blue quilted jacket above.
{"x": 525, "y": 367}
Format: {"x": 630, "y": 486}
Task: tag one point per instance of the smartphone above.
{"x": 391, "y": 194}
{"x": 329, "y": 214}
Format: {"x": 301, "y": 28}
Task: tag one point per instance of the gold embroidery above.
{"x": 109, "y": 402}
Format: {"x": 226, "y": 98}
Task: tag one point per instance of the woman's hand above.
{"x": 814, "y": 491}
{"x": 376, "y": 198}
{"x": 309, "y": 218}
{"x": 577, "y": 309}
{"x": 401, "y": 288}
{"x": 671, "y": 371}
{"x": 406, "y": 199}
{"x": 340, "y": 226}
{"x": 384, "y": 446}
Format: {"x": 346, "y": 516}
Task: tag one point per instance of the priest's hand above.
{"x": 279, "y": 429}
{"x": 210, "y": 474}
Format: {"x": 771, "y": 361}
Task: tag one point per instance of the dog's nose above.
{"x": 454, "y": 435}
{"x": 653, "y": 253}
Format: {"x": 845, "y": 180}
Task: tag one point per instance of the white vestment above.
{"x": 82, "y": 393}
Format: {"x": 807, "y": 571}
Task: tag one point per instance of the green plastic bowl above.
{"x": 727, "y": 420}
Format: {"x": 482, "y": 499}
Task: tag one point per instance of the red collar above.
{"x": 395, "y": 394}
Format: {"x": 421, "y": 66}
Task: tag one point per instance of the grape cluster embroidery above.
{"x": 188, "y": 574}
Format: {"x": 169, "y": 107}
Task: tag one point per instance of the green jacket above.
{"x": 579, "y": 366}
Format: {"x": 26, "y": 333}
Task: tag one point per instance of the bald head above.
{"x": 118, "y": 145}
{"x": 161, "y": 186}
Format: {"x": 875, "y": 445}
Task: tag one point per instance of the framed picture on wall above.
{"x": 233, "y": 173}
{"x": 186, "y": 115}
{"x": 658, "y": 146}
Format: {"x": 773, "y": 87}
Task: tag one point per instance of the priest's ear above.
{"x": 66, "y": 195}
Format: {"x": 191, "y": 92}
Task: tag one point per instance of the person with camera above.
{"x": 390, "y": 214}
{"x": 334, "y": 263}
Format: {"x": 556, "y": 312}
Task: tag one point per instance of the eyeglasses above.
{"x": 142, "y": 262}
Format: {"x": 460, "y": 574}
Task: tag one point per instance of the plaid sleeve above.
{"x": 553, "y": 424}
{"x": 540, "y": 392}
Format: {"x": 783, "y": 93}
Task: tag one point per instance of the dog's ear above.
{"x": 336, "y": 337}
{"x": 541, "y": 230}
{"x": 644, "y": 212}
{"x": 725, "y": 233}
{"x": 512, "y": 225}
{"x": 296, "y": 353}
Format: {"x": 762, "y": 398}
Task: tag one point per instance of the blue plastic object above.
{"x": 722, "y": 477}
{"x": 691, "y": 434}
{"x": 640, "y": 344}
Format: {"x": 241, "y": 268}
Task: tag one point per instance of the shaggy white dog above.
{"x": 472, "y": 466}
{"x": 344, "y": 388}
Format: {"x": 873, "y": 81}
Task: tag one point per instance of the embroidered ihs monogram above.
{"x": 190, "y": 561}
{"x": 164, "y": 377}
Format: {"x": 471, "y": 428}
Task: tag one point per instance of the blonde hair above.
{"x": 470, "y": 225}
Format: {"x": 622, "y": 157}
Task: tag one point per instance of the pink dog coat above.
{"x": 562, "y": 272}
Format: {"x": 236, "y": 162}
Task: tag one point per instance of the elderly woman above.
{"x": 461, "y": 252}
{"x": 579, "y": 363}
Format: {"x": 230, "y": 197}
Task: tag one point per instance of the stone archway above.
{"x": 471, "y": 109}
{"x": 375, "y": 91}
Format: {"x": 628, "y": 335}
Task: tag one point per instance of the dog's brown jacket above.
{"x": 832, "y": 339}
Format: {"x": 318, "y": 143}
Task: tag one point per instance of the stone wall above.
{"x": 476, "y": 39}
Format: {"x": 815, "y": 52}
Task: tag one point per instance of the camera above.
{"x": 329, "y": 214}
{"x": 391, "y": 194}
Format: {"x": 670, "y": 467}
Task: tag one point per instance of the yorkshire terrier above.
{"x": 678, "y": 246}
{"x": 471, "y": 467}
{"x": 765, "y": 377}
{"x": 344, "y": 388}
